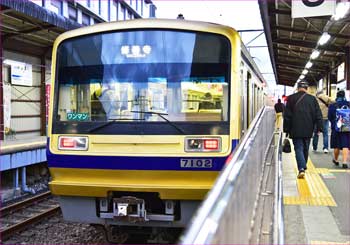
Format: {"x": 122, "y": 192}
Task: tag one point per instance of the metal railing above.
{"x": 227, "y": 214}
{"x": 278, "y": 223}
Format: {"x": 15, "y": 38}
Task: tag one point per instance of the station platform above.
{"x": 15, "y": 156}
{"x": 316, "y": 208}
{"x": 22, "y": 152}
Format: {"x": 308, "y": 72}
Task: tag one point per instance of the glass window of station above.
{"x": 142, "y": 77}
{"x": 114, "y": 11}
{"x": 56, "y": 6}
{"x": 72, "y": 12}
{"x": 85, "y": 19}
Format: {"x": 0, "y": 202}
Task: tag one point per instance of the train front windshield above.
{"x": 143, "y": 82}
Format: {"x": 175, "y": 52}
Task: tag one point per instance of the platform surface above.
{"x": 317, "y": 208}
{"x": 15, "y": 142}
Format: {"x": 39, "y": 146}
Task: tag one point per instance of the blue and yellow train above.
{"x": 143, "y": 116}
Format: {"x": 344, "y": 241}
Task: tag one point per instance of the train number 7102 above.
{"x": 196, "y": 163}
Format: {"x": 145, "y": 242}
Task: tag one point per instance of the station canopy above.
{"x": 292, "y": 41}
{"x": 30, "y": 29}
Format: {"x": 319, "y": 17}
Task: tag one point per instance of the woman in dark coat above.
{"x": 339, "y": 140}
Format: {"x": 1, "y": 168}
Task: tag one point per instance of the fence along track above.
{"x": 228, "y": 215}
{"x": 36, "y": 208}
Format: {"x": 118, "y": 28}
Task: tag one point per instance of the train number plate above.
{"x": 196, "y": 163}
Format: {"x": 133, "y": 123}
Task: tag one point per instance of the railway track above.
{"x": 18, "y": 216}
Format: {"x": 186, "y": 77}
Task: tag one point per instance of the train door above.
{"x": 243, "y": 99}
{"x": 259, "y": 99}
{"x": 248, "y": 103}
{"x": 255, "y": 99}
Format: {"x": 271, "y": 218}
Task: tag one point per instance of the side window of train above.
{"x": 204, "y": 99}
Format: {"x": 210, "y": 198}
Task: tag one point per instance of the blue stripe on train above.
{"x": 129, "y": 163}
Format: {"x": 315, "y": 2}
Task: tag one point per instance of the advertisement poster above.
{"x": 7, "y": 105}
{"x": 48, "y": 88}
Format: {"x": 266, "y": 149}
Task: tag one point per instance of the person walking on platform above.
{"x": 302, "y": 113}
{"x": 323, "y": 101}
{"x": 339, "y": 140}
{"x": 279, "y": 109}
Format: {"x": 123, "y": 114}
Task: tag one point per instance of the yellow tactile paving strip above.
{"x": 312, "y": 190}
{"x": 324, "y": 242}
{"x": 328, "y": 171}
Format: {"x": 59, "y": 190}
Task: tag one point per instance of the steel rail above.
{"x": 19, "y": 205}
{"x": 7, "y": 232}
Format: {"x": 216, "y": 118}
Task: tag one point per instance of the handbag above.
{"x": 286, "y": 146}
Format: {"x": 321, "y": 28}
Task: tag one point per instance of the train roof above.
{"x": 149, "y": 23}
{"x": 251, "y": 63}
{"x": 163, "y": 24}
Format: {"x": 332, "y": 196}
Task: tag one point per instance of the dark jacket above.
{"x": 299, "y": 121}
{"x": 332, "y": 110}
{"x": 279, "y": 107}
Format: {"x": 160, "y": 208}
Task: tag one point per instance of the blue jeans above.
{"x": 301, "y": 148}
{"x": 325, "y": 136}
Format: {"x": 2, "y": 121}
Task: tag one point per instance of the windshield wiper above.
{"x": 162, "y": 116}
{"x": 110, "y": 122}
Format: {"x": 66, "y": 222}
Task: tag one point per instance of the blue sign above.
{"x": 77, "y": 116}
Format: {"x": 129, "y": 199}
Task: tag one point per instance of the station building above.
{"x": 28, "y": 30}
{"x": 308, "y": 45}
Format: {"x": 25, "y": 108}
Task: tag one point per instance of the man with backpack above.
{"x": 339, "y": 116}
{"x": 301, "y": 115}
{"x": 323, "y": 101}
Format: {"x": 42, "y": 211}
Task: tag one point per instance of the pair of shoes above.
{"x": 314, "y": 150}
{"x": 301, "y": 174}
{"x": 345, "y": 165}
{"x": 325, "y": 151}
{"x": 336, "y": 163}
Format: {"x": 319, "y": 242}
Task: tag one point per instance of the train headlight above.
{"x": 72, "y": 143}
{"x": 203, "y": 144}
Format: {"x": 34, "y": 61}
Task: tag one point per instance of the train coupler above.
{"x": 130, "y": 209}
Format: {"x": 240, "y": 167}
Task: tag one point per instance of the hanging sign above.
{"x": 341, "y": 72}
{"x": 21, "y": 74}
{"x": 309, "y": 8}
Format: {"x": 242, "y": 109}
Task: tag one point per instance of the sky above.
{"x": 241, "y": 15}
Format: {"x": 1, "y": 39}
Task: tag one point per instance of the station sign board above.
{"x": 21, "y": 73}
{"x": 311, "y": 8}
{"x": 341, "y": 72}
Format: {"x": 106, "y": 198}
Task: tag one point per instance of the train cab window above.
{"x": 143, "y": 76}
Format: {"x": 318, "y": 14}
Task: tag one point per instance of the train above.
{"x": 144, "y": 115}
